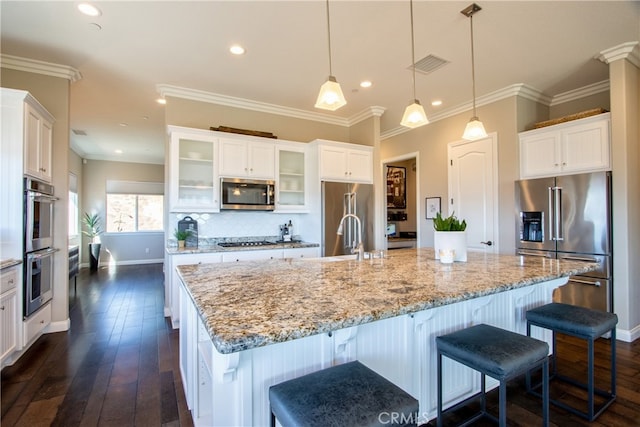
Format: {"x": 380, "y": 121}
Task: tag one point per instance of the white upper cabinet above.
{"x": 291, "y": 185}
{"x": 247, "y": 159}
{"x": 573, "y": 147}
{"x": 345, "y": 162}
{"x": 193, "y": 183}
{"x": 38, "y": 138}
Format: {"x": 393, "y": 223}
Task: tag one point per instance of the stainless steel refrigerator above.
{"x": 339, "y": 199}
{"x": 570, "y": 217}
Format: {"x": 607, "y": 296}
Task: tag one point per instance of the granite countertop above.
{"x": 213, "y": 247}
{"x": 6, "y": 263}
{"x": 257, "y": 303}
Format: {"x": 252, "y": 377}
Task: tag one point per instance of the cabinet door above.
{"x": 8, "y": 322}
{"x": 302, "y": 253}
{"x": 192, "y": 174}
{"x": 233, "y": 158}
{"x": 251, "y": 255}
{"x": 32, "y": 122}
{"x": 585, "y": 147}
{"x": 333, "y": 163}
{"x": 540, "y": 154}
{"x": 45, "y": 161}
{"x": 360, "y": 166}
{"x": 291, "y": 183}
{"x": 261, "y": 160}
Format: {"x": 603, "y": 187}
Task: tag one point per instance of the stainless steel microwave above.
{"x": 247, "y": 194}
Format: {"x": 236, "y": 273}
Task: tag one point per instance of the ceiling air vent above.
{"x": 429, "y": 64}
{"x": 79, "y": 132}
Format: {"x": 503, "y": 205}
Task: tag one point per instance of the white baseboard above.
{"x": 59, "y": 326}
{"x": 128, "y": 262}
{"x": 628, "y": 336}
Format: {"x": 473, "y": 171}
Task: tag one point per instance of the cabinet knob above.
{"x": 564, "y": 163}
{"x": 42, "y": 321}
{"x": 2, "y": 308}
{"x": 11, "y": 281}
{"x": 556, "y": 165}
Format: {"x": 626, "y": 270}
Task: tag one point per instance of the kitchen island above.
{"x": 246, "y": 326}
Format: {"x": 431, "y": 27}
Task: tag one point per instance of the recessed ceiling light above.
{"x": 89, "y": 9}
{"x": 365, "y": 83}
{"x": 95, "y": 26}
{"x": 436, "y": 103}
{"x": 236, "y": 49}
{"x": 123, "y": 124}
{"x": 161, "y": 101}
{"x": 118, "y": 151}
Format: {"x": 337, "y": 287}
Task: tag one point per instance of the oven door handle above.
{"x": 42, "y": 254}
{"x": 43, "y": 197}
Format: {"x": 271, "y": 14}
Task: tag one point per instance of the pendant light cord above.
{"x": 473, "y": 68}
{"x": 329, "y": 37}
{"x": 413, "y": 54}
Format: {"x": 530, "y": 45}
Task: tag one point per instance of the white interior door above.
{"x": 473, "y": 190}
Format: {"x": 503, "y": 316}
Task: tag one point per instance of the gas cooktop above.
{"x": 244, "y": 244}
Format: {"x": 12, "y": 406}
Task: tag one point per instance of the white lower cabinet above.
{"x": 251, "y": 255}
{"x": 8, "y": 323}
{"x": 301, "y": 252}
{"x": 233, "y": 389}
{"x": 36, "y": 323}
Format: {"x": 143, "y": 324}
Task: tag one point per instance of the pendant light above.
{"x": 414, "y": 115}
{"x": 330, "y": 96}
{"x": 475, "y": 128}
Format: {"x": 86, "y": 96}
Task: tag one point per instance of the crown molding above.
{"x": 579, "y": 93}
{"x": 40, "y": 67}
{"x": 247, "y": 104}
{"x": 367, "y": 113}
{"x": 628, "y": 50}
{"x": 519, "y": 89}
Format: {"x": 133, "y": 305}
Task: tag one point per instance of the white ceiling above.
{"x": 548, "y": 45}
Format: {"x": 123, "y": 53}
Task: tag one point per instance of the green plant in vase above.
{"x": 181, "y": 236}
{"x": 93, "y": 231}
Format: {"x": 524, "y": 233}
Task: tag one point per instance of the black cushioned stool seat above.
{"x": 582, "y": 323}
{"x": 495, "y": 352}
{"x": 344, "y": 395}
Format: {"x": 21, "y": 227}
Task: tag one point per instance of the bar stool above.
{"x": 344, "y": 395}
{"x": 498, "y": 353}
{"x": 582, "y": 323}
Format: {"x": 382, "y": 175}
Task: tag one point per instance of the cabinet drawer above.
{"x": 8, "y": 280}
{"x": 36, "y": 323}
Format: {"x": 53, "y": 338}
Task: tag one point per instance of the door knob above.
{"x": 488, "y": 243}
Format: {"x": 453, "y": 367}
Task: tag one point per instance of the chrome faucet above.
{"x": 359, "y": 248}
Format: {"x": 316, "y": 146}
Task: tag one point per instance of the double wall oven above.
{"x": 38, "y": 244}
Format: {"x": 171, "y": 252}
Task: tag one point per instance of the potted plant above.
{"x": 94, "y": 230}
{"x": 450, "y": 234}
{"x": 181, "y": 236}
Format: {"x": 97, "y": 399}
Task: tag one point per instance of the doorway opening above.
{"x": 402, "y": 208}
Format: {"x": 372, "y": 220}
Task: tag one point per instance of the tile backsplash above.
{"x": 245, "y": 223}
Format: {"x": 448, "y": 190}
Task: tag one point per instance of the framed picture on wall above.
{"x": 396, "y": 187}
{"x": 432, "y": 206}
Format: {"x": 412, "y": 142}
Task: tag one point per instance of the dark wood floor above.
{"x": 118, "y": 366}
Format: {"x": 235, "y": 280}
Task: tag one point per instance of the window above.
{"x": 73, "y": 206}
{"x": 134, "y": 206}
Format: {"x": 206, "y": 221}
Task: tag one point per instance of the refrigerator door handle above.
{"x": 576, "y": 258}
{"x": 558, "y": 213}
{"x": 551, "y": 213}
{"x": 532, "y": 253}
{"x": 595, "y": 283}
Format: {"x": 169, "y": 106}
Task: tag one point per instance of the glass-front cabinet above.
{"x": 291, "y": 185}
{"x": 193, "y": 172}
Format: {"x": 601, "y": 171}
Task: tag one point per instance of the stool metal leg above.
{"x": 545, "y": 393}
{"x": 590, "y": 380}
{"x": 483, "y": 389}
{"x": 273, "y": 419}
{"x": 613, "y": 362}
{"x": 503, "y": 403}
{"x": 439, "y": 421}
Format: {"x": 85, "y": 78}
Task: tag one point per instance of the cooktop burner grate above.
{"x": 243, "y": 244}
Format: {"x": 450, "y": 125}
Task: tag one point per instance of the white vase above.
{"x": 451, "y": 240}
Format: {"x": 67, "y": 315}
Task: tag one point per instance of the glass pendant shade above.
{"x": 474, "y": 130}
{"x": 330, "y": 96}
{"x": 414, "y": 116}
